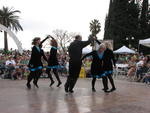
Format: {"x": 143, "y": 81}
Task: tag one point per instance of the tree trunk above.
{"x": 5, "y": 41}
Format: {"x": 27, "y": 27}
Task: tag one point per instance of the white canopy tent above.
{"x": 145, "y": 42}
{"x": 86, "y": 50}
{"x": 123, "y": 50}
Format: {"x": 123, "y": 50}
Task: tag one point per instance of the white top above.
{"x": 10, "y": 62}
{"x": 122, "y": 65}
{"x": 140, "y": 63}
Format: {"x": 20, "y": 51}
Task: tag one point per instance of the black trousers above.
{"x": 55, "y": 73}
{"x": 34, "y": 75}
{"x": 74, "y": 70}
{"x": 93, "y": 82}
{"x": 105, "y": 81}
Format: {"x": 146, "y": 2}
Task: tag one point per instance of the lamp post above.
{"x": 129, "y": 39}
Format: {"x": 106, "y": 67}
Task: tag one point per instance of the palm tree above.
{"x": 9, "y": 20}
{"x": 95, "y": 28}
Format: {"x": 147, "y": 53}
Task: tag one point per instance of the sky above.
{"x": 41, "y": 17}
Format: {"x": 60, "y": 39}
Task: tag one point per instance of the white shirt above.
{"x": 10, "y": 62}
{"x": 140, "y": 63}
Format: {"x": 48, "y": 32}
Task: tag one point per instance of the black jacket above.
{"x": 35, "y": 59}
{"x": 97, "y": 63}
{"x": 109, "y": 60}
{"x": 52, "y": 60}
{"x": 75, "y": 50}
{"x": 44, "y": 56}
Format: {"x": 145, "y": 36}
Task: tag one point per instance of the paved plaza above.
{"x": 130, "y": 97}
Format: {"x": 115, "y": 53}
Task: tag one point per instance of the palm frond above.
{"x": 9, "y": 18}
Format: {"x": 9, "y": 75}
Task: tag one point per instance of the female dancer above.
{"x": 35, "y": 64}
{"x": 109, "y": 61}
{"x": 53, "y": 63}
{"x": 97, "y": 65}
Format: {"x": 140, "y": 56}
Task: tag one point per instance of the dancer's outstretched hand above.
{"x": 49, "y": 36}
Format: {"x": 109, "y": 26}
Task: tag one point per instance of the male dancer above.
{"x": 75, "y": 53}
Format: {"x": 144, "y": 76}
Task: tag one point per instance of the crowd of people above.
{"x": 138, "y": 66}
{"x": 15, "y": 66}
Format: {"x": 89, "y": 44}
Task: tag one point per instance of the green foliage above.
{"x": 95, "y": 27}
{"x": 122, "y": 21}
{"x": 144, "y": 19}
{"x": 9, "y": 19}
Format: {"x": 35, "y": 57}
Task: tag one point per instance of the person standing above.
{"x": 109, "y": 62}
{"x": 44, "y": 57}
{"x": 53, "y": 63}
{"x": 97, "y": 65}
{"x": 35, "y": 64}
{"x": 75, "y": 62}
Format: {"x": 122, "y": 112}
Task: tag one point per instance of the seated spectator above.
{"x": 10, "y": 64}
{"x": 146, "y": 78}
{"x": 140, "y": 63}
{"x": 17, "y": 74}
{"x": 141, "y": 71}
{"x": 131, "y": 71}
{"x": 23, "y": 65}
{"x": 87, "y": 65}
{"x": 2, "y": 65}
{"x": 132, "y": 67}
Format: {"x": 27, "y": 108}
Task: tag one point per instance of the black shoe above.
{"x": 35, "y": 84}
{"x": 105, "y": 89}
{"x": 71, "y": 91}
{"x": 28, "y": 86}
{"x": 93, "y": 89}
{"x": 66, "y": 88}
{"x": 59, "y": 83}
{"x": 113, "y": 89}
{"x": 52, "y": 82}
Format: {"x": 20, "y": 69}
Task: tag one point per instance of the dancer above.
{"x": 109, "y": 62}
{"x": 53, "y": 63}
{"x": 44, "y": 57}
{"x": 97, "y": 65}
{"x": 75, "y": 53}
{"x": 35, "y": 64}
